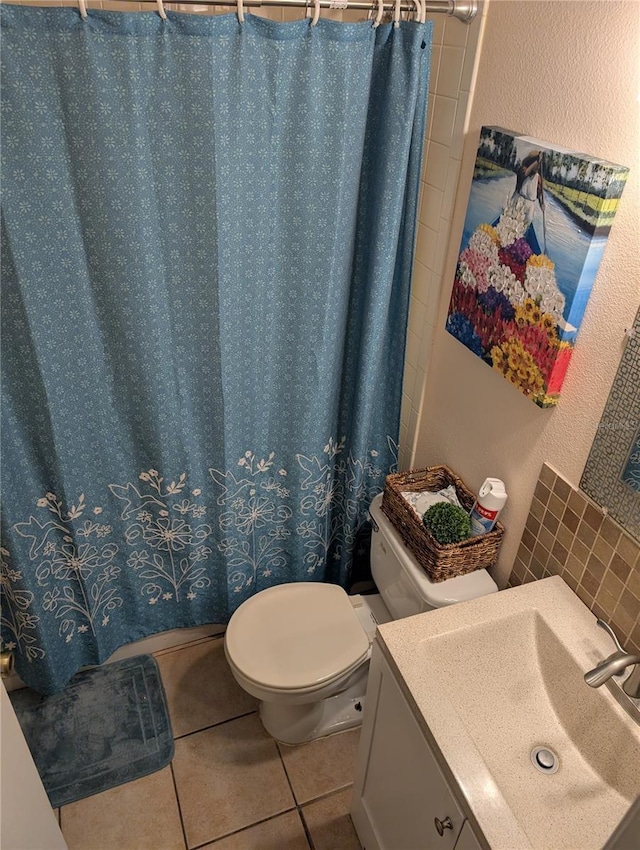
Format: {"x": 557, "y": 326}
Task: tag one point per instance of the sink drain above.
{"x": 544, "y": 760}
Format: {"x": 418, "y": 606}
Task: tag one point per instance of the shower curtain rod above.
{"x": 463, "y": 10}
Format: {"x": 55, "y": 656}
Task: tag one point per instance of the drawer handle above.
{"x": 441, "y": 825}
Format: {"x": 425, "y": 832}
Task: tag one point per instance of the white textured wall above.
{"x": 569, "y": 73}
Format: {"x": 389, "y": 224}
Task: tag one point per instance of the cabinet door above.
{"x": 467, "y": 839}
{"x": 404, "y": 795}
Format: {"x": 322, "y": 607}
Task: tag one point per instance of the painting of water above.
{"x": 535, "y": 231}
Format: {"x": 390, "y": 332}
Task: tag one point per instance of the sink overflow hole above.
{"x": 544, "y": 760}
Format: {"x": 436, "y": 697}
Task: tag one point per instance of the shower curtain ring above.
{"x": 83, "y": 9}
{"x": 240, "y": 12}
{"x": 316, "y": 13}
{"x": 161, "y": 10}
{"x": 378, "y": 19}
{"x": 396, "y": 15}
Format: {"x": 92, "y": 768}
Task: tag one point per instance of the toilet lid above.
{"x": 296, "y": 636}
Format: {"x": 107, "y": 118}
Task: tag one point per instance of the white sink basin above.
{"x": 496, "y": 677}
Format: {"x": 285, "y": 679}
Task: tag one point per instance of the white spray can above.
{"x": 490, "y": 501}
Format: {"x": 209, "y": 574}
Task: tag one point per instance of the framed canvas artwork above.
{"x": 535, "y": 230}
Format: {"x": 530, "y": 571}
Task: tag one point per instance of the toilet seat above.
{"x": 296, "y": 637}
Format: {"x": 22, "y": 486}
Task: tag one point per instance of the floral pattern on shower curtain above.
{"x": 207, "y": 237}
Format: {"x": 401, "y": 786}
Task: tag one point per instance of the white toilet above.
{"x": 303, "y": 648}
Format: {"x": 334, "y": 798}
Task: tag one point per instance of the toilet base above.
{"x": 297, "y": 724}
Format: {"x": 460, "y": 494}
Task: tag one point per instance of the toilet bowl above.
{"x": 303, "y": 648}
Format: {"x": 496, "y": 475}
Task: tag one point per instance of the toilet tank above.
{"x": 403, "y": 584}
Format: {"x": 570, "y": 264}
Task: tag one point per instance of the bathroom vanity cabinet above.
{"x": 401, "y": 798}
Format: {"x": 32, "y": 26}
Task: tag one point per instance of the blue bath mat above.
{"x": 110, "y": 725}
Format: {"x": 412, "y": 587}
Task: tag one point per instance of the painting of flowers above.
{"x": 536, "y": 226}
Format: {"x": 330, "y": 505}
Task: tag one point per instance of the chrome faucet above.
{"x": 614, "y": 665}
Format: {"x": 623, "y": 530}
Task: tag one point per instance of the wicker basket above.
{"x": 439, "y": 561}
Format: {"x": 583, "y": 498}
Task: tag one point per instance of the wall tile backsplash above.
{"x": 566, "y": 534}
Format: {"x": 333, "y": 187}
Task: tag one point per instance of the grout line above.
{"x": 293, "y": 794}
{"x": 243, "y": 828}
{"x": 214, "y": 725}
{"x": 299, "y": 805}
{"x": 331, "y": 793}
{"x": 306, "y": 828}
{"x": 175, "y": 790}
{"x": 286, "y": 773}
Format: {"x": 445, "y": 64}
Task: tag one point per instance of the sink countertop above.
{"x": 511, "y": 640}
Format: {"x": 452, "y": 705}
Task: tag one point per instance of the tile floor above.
{"x": 229, "y": 786}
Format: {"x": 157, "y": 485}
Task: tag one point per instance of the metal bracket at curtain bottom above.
{"x": 463, "y": 10}
{"x": 6, "y": 664}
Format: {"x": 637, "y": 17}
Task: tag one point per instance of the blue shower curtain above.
{"x": 207, "y": 237}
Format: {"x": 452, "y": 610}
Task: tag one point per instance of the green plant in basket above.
{"x": 448, "y": 523}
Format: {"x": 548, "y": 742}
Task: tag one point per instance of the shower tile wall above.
{"x": 450, "y": 86}
{"x": 566, "y": 534}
